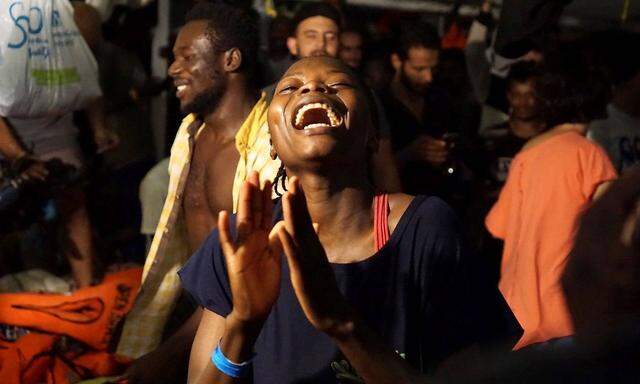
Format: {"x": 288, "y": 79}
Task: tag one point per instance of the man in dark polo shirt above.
{"x": 419, "y": 112}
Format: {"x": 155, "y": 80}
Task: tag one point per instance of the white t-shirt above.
{"x": 47, "y": 134}
{"x": 619, "y": 135}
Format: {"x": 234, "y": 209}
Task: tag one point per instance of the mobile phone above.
{"x": 452, "y": 139}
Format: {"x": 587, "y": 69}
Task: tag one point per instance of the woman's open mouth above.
{"x": 317, "y": 115}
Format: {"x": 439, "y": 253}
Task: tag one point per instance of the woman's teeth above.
{"x": 330, "y": 118}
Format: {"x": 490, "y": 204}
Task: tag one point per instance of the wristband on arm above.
{"x": 228, "y": 367}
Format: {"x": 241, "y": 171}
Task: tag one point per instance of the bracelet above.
{"x": 227, "y": 366}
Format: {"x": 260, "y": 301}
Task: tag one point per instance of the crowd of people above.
{"x": 361, "y": 203}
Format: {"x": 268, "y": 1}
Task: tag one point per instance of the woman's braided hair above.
{"x": 280, "y": 180}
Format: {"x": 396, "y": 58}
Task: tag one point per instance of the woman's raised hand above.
{"x": 253, "y": 259}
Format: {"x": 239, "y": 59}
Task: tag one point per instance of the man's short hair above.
{"x": 416, "y": 35}
{"x": 229, "y": 26}
{"x": 316, "y": 9}
{"x": 567, "y": 96}
{"x": 523, "y": 71}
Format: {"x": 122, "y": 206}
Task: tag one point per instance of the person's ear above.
{"x": 272, "y": 152}
{"x": 292, "y": 44}
{"x": 396, "y": 62}
{"x": 232, "y": 60}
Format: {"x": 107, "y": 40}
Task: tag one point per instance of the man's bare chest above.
{"x": 210, "y": 181}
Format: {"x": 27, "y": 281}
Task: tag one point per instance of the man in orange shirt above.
{"x": 550, "y": 183}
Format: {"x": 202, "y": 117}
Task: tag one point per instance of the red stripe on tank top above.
{"x": 381, "y": 220}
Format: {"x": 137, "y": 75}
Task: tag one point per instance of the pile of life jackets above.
{"x": 65, "y": 338}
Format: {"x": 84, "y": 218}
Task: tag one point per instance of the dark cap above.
{"x": 316, "y": 9}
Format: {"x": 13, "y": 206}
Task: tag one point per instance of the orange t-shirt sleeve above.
{"x": 496, "y": 220}
{"x": 596, "y": 169}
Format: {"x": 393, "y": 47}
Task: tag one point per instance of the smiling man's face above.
{"x": 315, "y": 36}
{"x": 319, "y": 115}
{"x": 198, "y": 80}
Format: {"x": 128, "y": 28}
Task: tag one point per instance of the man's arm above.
{"x": 478, "y": 67}
{"x": 168, "y": 360}
{"x": 103, "y": 136}
{"x": 427, "y": 149}
{"x": 10, "y": 148}
{"x": 600, "y": 190}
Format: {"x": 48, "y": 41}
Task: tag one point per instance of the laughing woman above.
{"x": 348, "y": 285}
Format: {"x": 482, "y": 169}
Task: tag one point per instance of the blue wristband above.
{"x": 228, "y": 367}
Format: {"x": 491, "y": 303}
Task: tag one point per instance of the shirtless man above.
{"x": 212, "y": 71}
{"x": 210, "y": 88}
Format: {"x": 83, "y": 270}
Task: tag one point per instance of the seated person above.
{"x": 371, "y": 287}
{"x": 34, "y": 141}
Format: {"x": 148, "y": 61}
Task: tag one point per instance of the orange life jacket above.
{"x": 89, "y": 315}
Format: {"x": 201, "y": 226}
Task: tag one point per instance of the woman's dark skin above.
{"x": 328, "y": 218}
